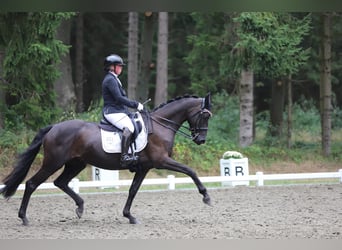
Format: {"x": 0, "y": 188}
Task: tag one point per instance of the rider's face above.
{"x": 117, "y": 69}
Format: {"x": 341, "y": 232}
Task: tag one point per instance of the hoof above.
{"x": 207, "y": 201}
{"x": 134, "y": 221}
{"x": 79, "y": 212}
{"x": 25, "y": 221}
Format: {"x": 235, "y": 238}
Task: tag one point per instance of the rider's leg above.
{"x": 126, "y": 159}
{"x": 123, "y": 122}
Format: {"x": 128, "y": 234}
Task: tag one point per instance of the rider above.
{"x": 116, "y": 103}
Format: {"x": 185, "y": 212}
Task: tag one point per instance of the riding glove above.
{"x": 140, "y": 107}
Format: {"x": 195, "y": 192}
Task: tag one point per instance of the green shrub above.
{"x": 93, "y": 114}
{"x": 224, "y": 125}
{"x": 336, "y": 118}
{"x": 306, "y": 116}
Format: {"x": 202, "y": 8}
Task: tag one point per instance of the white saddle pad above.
{"x": 111, "y": 141}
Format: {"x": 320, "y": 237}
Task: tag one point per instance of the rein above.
{"x": 194, "y": 131}
{"x": 184, "y": 134}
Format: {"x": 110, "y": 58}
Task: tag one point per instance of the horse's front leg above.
{"x": 137, "y": 180}
{"x": 173, "y": 165}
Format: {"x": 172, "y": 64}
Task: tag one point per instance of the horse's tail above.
{"x": 20, "y": 170}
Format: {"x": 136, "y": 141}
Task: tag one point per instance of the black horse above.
{"x": 76, "y": 143}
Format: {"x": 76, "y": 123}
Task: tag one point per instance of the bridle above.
{"x": 195, "y": 131}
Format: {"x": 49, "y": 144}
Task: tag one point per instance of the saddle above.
{"x": 111, "y": 135}
{"x": 137, "y": 123}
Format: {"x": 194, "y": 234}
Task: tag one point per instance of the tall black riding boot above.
{"x": 126, "y": 159}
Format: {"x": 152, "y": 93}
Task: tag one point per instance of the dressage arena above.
{"x": 277, "y": 212}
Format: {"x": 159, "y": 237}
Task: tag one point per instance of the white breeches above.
{"x": 120, "y": 120}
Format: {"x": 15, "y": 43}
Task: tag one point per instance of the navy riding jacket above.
{"x": 114, "y": 96}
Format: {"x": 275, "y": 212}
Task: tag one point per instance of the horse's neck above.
{"x": 176, "y": 112}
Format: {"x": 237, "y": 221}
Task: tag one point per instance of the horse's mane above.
{"x": 174, "y": 99}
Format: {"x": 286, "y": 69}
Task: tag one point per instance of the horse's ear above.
{"x": 207, "y": 102}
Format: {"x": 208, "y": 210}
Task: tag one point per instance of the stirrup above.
{"x": 127, "y": 160}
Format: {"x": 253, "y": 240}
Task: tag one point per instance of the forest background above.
{"x": 275, "y": 79}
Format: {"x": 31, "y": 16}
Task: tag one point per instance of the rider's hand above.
{"x": 140, "y": 107}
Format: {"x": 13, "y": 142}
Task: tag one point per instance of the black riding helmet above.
{"x": 112, "y": 60}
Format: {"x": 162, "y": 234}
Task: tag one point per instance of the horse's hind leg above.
{"x": 32, "y": 184}
{"x": 71, "y": 169}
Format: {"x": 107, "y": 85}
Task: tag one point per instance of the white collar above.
{"x": 117, "y": 77}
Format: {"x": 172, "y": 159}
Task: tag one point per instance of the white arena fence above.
{"x": 171, "y": 180}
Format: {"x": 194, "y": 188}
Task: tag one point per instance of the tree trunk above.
{"x": 162, "y": 57}
{"x": 277, "y": 108}
{"x": 2, "y": 90}
{"x": 289, "y": 111}
{"x": 64, "y": 86}
{"x": 325, "y": 85}
{"x": 79, "y": 79}
{"x": 146, "y": 57}
{"x": 246, "y": 108}
{"x": 133, "y": 41}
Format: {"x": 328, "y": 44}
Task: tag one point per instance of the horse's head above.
{"x": 198, "y": 121}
